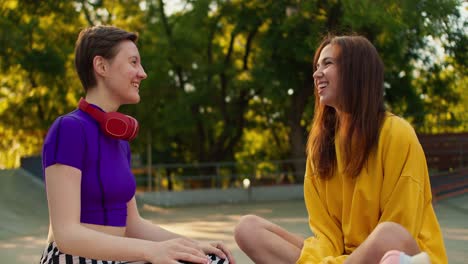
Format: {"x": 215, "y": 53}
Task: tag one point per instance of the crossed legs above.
{"x": 265, "y": 242}
{"x": 385, "y": 237}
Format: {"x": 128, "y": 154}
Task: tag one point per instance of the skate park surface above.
{"x": 24, "y": 220}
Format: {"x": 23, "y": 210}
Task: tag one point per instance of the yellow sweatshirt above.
{"x": 393, "y": 186}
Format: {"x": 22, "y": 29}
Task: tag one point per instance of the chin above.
{"x": 135, "y": 100}
{"x": 327, "y": 102}
{"x": 324, "y": 101}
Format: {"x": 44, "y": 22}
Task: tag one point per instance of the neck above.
{"x": 98, "y": 97}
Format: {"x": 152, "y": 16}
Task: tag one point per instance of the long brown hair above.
{"x": 361, "y": 112}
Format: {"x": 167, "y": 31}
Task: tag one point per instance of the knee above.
{"x": 246, "y": 228}
{"x": 392, "y": 229}
{"x": 394, "y": 236}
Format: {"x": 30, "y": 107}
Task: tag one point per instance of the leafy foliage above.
{"x": 228, "y": 80}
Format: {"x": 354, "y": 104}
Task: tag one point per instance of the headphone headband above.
{"x": 97, "y": 114}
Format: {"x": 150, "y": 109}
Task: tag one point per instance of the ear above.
{"x": 100, "y": 65}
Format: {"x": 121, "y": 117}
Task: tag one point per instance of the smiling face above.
{"x": 326, "y": 76}
{"x": 125, "y": 74}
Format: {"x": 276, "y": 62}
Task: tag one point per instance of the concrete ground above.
{"x": 24, "y": 220}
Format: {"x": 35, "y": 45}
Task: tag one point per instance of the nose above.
{"x": 141, "y": 73}
{"x": 317, "y": 74}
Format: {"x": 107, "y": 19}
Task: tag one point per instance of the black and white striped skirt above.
{"x": 52, "y": 255}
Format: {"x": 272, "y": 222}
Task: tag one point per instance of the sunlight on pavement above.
{"x": 455, "y": 234}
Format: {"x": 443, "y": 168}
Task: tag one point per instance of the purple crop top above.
{"x": 107, "y": 183}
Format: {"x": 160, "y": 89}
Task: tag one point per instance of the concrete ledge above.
{"x": 219, "y": 196}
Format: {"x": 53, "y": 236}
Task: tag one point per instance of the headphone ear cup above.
{"x": 116, "y": 125}
{"x": 133, "y": 128}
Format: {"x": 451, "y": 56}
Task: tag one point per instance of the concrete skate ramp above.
{"x": 23, "y": 216}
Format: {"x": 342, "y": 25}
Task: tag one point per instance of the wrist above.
{"x": 144, "y": 249}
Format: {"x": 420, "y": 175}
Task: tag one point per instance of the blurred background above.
{"x": 228, "y": 102}
{"x": 229, "y": 81}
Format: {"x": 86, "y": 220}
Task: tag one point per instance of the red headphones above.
{"x": 113, "y": 124}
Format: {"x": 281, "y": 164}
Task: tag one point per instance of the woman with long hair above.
{"x": 366, "y": 187}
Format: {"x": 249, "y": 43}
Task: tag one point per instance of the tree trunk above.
{"x": 297, "y": 134}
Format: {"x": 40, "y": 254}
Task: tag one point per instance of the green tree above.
{"x": 223, "y": 74}
{"x": 199, "y": 63}
{"x": 36, "y": 80}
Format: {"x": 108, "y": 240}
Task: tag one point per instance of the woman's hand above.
{"x": 219, "y": 249}
{"x": 174, "y": 250}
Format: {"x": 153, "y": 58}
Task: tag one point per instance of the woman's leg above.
{"x": 265, "y": 242}
{"x": 386, "y": 236}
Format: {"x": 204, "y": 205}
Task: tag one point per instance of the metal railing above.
{"x": 443, "y": 152}
{"x": 181, "y": 176}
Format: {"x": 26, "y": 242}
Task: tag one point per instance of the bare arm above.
{"x": 63, "y": 194}
{"x": 137, "y": 227}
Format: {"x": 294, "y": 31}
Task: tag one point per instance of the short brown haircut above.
{"x": 97, "y": 41}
